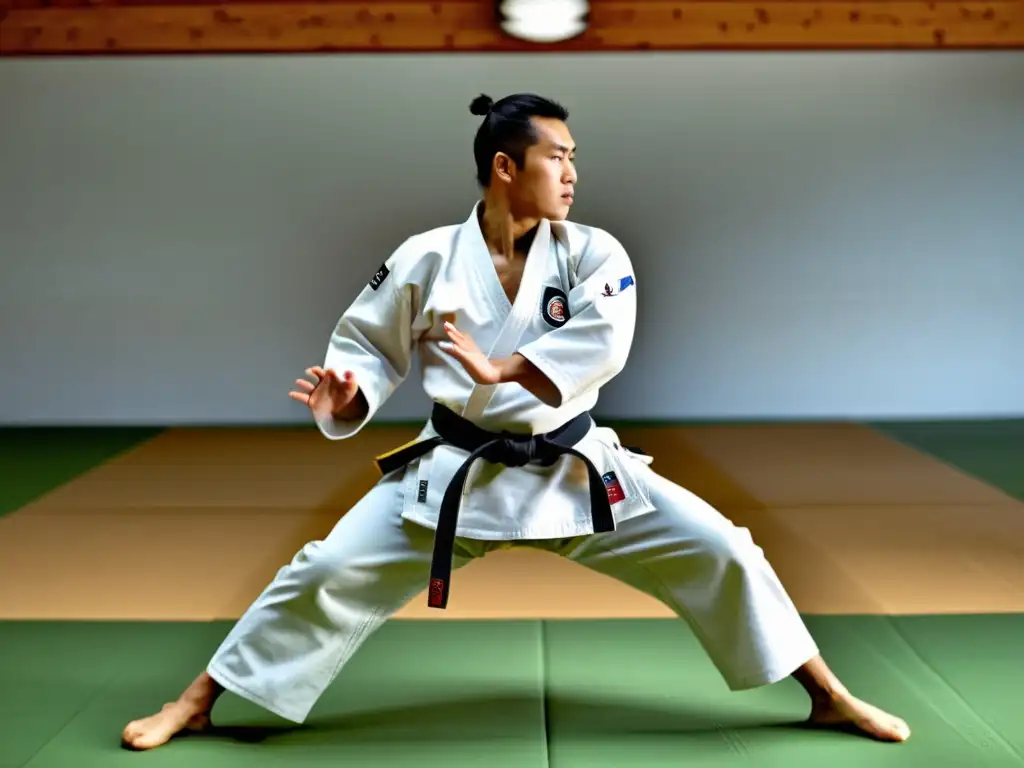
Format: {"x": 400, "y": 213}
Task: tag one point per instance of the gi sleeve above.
{"x": 374, "y": 339}
{"x": 592, "y": 346}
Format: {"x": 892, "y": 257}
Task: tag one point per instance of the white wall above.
{"x": 814, "y": 235}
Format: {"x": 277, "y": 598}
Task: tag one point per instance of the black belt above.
{"x": 509, "y": 449}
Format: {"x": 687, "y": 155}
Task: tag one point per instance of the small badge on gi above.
{"x": 614, "y": 289}
{"x": 614, "y": 488}
{"x": 555, "y": 307}
{"x": 379, "y": 278}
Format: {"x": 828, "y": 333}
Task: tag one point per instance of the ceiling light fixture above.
{"x": 543, "y": 21}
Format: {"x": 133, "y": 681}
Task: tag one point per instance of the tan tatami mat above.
{"x": 192, "y": 524}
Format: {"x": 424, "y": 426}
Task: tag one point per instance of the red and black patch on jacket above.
{"x": 614, "y": 488}
{"x": 555, "y": 307}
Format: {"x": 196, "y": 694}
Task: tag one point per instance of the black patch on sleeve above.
{"x": 554, "y": 307}
{"x": 380, "y": 277}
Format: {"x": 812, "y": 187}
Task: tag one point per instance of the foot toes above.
{"x": 900, "y": 730}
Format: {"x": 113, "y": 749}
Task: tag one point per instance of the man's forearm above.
{"x": 518, "y": 370}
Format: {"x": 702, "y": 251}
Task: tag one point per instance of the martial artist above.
{"x": 519, "y": 318}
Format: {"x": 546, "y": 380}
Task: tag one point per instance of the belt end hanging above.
{"x": 393, "y": 459}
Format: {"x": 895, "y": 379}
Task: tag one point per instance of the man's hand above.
{"x": 465, "y": 350}
{"x": 509, "y": 370}
{"x": 330, "y": 396}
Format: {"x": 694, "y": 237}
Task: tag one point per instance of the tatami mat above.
{"x": 990, "y": 449}
{"x": 36, "y": 460}
{"x": 426, "y": 694}
{"x": 901, "y": 559}
{"x": 145, "y": 563}
{"x": 565, "y": 694}
{"x": 193, "y": 523}
{"x": 845, "y": 464}
{"x": 637, "y": 694}
{"x": 245, "y": 469}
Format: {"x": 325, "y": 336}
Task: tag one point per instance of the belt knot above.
{"x": 514, "y": 450}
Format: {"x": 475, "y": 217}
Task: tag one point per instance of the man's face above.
{"x": 545, "y": 185}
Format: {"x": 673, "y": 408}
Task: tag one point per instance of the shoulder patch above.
{"x": 380, "y": 276}
{"x": 554, "y": 307}
{"x": 618, "y": 286}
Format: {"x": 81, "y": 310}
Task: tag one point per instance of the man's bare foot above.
{"x": 849, "y": 713}
{"x": 191, "y": 712}
{"x": 158, "y": 729}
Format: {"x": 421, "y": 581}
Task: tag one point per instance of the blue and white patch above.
{"x": 614, "y": 289}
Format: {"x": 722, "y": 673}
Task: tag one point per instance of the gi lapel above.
{"x": 538, "y": 264}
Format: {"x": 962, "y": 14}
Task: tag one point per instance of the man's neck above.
{"x": 503, "y": 232}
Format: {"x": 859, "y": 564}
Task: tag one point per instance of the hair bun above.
{"x": 481, "y": 105}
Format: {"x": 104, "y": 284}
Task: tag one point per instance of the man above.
{"x": 553, "y": 304}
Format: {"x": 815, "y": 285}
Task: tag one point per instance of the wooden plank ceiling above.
{"x": 33, "y": 27}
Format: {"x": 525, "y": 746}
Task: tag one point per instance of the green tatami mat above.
{"x": 35, "y": 460}
{"x": 640, "y": 694}
{"x": 979, "y": 658}
{"x": 50, "y": 672}
{"x": 446, "y": 694}
{"x": 990, "y": 450}
{"x": 572, "y": 694}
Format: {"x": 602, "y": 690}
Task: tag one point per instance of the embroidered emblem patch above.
{"x": 555, "y": 307}
{"x": 380, "y": 277}
{"x": 613, "y": 289}
{"x": 614, "y": 488}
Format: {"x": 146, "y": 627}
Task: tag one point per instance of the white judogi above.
{"x": 570, "y": 319}
{"x": 574, "y": 318}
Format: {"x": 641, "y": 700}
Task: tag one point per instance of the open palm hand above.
{"x": 464, "y": 349}
{"x": 325, "y": 393}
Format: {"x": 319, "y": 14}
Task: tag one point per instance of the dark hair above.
{"x": 507, "y": 128}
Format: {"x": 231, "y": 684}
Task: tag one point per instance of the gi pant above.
{"x": 320, "y": 608}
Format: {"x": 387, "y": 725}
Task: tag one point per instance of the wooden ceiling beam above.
{"x": 28, "y": 27}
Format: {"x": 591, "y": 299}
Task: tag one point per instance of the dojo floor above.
{"x": 125, "y": 554}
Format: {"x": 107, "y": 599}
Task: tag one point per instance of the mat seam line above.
{"x": 892, "y": 621}
{"x": 545, "y": 709}
{"x": 949, "y": 463}
{"x": 35, "y": 498}
{"x": 67, "y": 722}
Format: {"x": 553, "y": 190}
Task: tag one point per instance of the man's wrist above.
{"x": 512, "y": 370}
{"x": 355, "y": 410}
{"x": 517, "y": 369}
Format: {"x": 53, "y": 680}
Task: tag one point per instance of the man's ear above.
{"x": 504, "y": 167}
